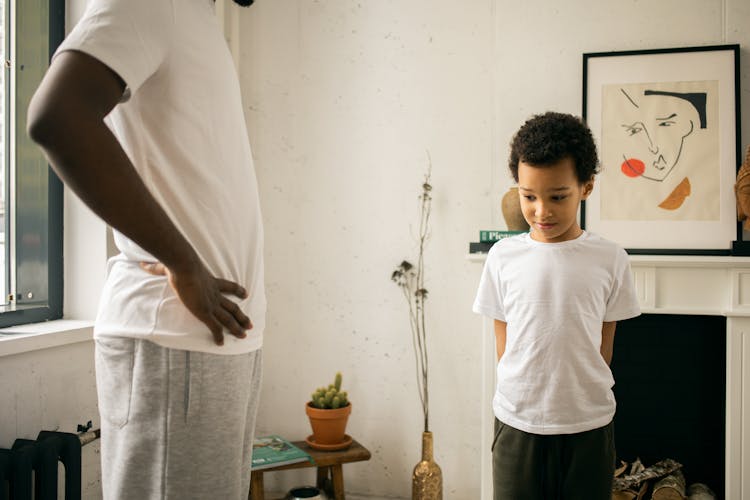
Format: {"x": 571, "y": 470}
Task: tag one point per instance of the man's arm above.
{"x": 500, "y": 337}
{"x": 608, "y": 340}
{"x": 66, "y": 118}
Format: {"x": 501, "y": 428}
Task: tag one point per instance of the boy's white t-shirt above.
{"x": 554, "y": 297}
{"x": 181, "y": 123}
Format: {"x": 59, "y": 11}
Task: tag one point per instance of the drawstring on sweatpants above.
{"x": 187, "y": 383}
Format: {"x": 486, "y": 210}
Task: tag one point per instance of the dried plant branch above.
{"x": 411, "y": 281}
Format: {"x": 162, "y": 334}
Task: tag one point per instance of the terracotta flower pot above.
{"x": 328, "y": 426}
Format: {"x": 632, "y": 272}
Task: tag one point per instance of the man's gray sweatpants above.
{"x": 175, "y": 424}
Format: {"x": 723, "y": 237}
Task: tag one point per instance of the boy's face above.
{"x": 550, "y": 197}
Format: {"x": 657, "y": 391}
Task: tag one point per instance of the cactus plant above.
{"x": 328, "y": 410}
{"x": 331, "y": 397}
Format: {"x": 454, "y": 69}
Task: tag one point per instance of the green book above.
{"x": 487, "y": 236}
{"x": 274, "y": 451}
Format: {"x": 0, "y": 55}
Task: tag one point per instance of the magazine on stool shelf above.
{"x": 274, "y": 451}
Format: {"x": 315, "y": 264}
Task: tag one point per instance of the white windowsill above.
{"x": 37, "y": 336}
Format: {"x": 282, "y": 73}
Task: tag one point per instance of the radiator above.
{"x": 29, "y": 468}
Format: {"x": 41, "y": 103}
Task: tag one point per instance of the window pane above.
{"x": 3, "y": 156}
{"x": 31, "y": 199}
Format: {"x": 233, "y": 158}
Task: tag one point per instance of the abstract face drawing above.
{"x": 660, "y": 151}
{"x": 657, "y": 131}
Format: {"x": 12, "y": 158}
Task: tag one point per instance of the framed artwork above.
{"x": 667, "y": 127}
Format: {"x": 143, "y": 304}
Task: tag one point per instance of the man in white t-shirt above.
{"x": 140, "y": 114}
{"x": 555, "y": 295}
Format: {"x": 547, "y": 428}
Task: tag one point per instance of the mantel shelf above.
{"x": 699, "y": 261}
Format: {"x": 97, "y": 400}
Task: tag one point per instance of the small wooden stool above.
{"x": 329, "y": 464}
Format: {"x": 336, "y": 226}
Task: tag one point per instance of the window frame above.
{"x": 34, "y": 233}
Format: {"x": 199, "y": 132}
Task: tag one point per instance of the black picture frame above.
{"x": 609, "y": 78}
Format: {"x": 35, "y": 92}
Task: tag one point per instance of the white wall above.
{"x": 53, "y": 390}
{"x": 343, "y": 99}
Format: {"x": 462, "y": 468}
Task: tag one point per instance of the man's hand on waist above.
{"x": 203, "y": 295}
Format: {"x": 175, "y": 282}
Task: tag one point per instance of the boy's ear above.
{"x": 588, "y": 187}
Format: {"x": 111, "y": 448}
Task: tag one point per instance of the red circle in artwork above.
{"x": 633, "y": 167}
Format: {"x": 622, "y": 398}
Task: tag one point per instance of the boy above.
{"x": 555, "y": 294}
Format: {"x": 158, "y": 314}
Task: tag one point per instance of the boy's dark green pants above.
{"x": 553, "y": 467}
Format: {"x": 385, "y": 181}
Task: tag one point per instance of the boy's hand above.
{"x": 203, "y": 295}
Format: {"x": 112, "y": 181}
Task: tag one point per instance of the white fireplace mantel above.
{"x": 668, "y": 284}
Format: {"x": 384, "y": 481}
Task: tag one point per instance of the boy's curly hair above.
{"x": 548, "y": 138}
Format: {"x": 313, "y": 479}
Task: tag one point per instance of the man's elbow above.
{"x": 43, "y": 122}
{"x": 39, "y": 126}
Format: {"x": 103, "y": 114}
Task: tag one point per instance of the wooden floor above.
{"x": 349, "y": 496}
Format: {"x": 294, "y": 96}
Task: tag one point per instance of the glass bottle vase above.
{"x": 427, "y": 479}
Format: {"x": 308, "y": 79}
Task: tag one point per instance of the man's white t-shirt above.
{"x": 181, "y": 123}
{"x": 554, "y": 297}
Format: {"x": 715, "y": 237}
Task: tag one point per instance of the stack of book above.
{"x": 487, "y": 238}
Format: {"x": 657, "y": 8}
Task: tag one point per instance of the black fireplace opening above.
{"x": 670, "y": 386}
